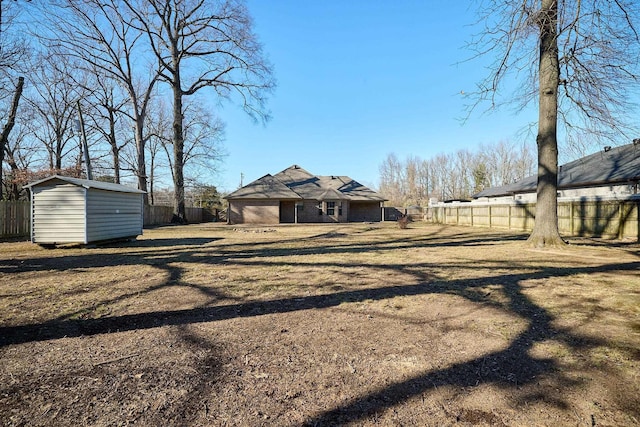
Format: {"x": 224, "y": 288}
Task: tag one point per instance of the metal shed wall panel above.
{"x": 58, "y": 214}
{"x": 70, "y": 210}
{"x": 113, "y": 215}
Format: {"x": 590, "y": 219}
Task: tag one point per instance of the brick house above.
{"x": 296, "y": 196}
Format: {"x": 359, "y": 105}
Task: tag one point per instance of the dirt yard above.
{"x": 359, "y": 324}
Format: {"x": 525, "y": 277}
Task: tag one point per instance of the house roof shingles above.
{"x": 617, "y": 165}
{"x": 296, "y": 183}
{"x": 267, "y": 187}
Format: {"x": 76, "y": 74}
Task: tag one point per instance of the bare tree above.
{"x": 204, "y": 134}
{"x": 580, "y": 62}
{"x": 412, "y": 165}
{"x": 456, "y": 175}
{"x": 99, "y": 34}
{"x": 464, "y": 162}
{"x": 21, "y": 154}
{"x": 200, "y": 44}
{"x": 159, "y": 125}
{"x": 524, "y": 162}
{"x": 10, "y": 123}
{"x": 13, "y": 52}
{"x": 507, "y": 162}
{"x": 155, "y": 148}
{"x": 53, "y": 98}
{"x": 107, "y": 106}
{"x": 425, "y": 180}
{"x": 202, "y": 148}
{"x": 14, "y": 49}
{"x": 392, "y": 180}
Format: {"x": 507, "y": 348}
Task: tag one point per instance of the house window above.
{"x": 340, "y": 209}
{"x": 331, "y": 208}
{"x": 320, "y": 209}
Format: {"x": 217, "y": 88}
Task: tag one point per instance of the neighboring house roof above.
{"x": 610, "y": 166}
{"x": 99, "y": 185}
{"x": 296, "y": 183}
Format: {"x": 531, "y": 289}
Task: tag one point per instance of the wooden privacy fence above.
{"x": 158, "y": 215}
{"x": 589, "y": 218}
{"x": 15, "y": 220}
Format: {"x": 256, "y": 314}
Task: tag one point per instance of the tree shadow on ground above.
{"x": 198, "y": 250}
{"x": 511, "y": 368}
{"x": 155, "y": 243}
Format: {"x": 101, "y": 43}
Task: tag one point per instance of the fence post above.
{"x": 524, "y": 215}
{"x": 571, "y": 215}
{"x": 489, "y": 216}
{"x": 620, "y": 224}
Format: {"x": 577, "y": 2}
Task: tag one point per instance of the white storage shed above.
{"x": 72, "y": 210}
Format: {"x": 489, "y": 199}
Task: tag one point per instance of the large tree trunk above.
{"x": 152, "y": 168}
{"x": 115, "y": 151}
{"x": 11, "y": 121}
{"x": 545, "y": 230}
{"x": 13, "y": 190}
{"x": 178, "y": 149}
{"x": 58, "y": 155}
{"x": 142, "y": 167}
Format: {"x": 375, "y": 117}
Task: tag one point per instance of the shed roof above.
{"x": 609, "y": 166}
{"x": 304, "y": 185}
{"x": 108, "y": 186}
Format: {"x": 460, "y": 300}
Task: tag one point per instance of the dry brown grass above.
{"x": 357, "y": 324}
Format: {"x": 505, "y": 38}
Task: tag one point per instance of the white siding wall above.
{"x": 58, "y": 214}
{"x": 113, "y": 215}
{"x": 622, "y": 191}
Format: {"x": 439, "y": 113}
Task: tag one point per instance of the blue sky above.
{"x": 358, "y": 80}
